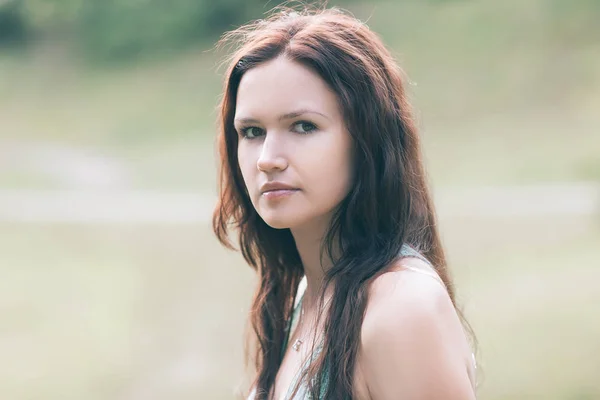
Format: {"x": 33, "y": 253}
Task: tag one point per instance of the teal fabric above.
{"x": 302, "y": 393}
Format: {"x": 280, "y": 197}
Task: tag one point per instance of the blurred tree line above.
{"x": 118, "y": 29}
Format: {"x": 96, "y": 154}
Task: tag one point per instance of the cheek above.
{"x": 344, "y": 174}
{"x": 332, "y": 170}
{"x": 342, "y": 155}
{"x": 247, "y": 166}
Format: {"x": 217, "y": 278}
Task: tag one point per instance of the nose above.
{"x": 271, "y": 157}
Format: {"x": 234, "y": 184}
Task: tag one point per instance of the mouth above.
{"x": 274, "y": 187}
{"x": 278, "y": 193}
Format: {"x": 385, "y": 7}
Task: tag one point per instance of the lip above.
{"x": 278, "y": 194}
{"x": 273, "y": 187}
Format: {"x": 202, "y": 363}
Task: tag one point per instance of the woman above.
{"x": 322, "y": 177}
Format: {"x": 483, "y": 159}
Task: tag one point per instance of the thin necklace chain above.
{"x": 299, "y": 341}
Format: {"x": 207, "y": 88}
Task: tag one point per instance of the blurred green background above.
{"x": 111, "y": 283}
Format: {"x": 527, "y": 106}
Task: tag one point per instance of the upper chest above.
{"x": 294, "y": 363}
{"x": 288, "y": 373}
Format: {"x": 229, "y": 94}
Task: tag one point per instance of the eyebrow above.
{"x": 290, "y": 115}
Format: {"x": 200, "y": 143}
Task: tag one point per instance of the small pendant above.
{"x": 297, "y": 344}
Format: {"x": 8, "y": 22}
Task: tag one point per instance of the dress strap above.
{"x": 408, "y": 251}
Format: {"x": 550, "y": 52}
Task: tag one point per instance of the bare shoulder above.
{"x": 413, "y": 345}
{"x": 409, "y": 289}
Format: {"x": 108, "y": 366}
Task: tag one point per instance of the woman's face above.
{"x": 294, "y": 149}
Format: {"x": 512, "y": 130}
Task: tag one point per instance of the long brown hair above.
{"x": 388, "y": 205}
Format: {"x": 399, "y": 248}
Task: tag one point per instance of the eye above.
{"x": 304, "y": 127}
{"x": 251, "y": 132}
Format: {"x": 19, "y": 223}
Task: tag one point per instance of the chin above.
{"x": 281, "y": 220}
{"x": 278, "y": 222}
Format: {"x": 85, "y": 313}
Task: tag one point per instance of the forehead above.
{"x": 280, "y": 86}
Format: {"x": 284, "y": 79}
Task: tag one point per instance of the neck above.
{"x": 309, "y": 240}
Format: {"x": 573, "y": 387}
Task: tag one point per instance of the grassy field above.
{"x": 506, "y": 92}
{"x": 125, "y": 312}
